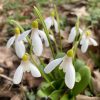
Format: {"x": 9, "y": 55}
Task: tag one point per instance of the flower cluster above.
{"x": 86, "y": 39}
{"x": 37, "y": 38}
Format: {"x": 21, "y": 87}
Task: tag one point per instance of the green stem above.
{"x": 58, "y": 21}
{"x": 63, "y": 83}
{"x": 44, "y": 65}
{"x": 54, "y": 41}
{"x": 77, "y": 38}
{"x": 31, "y": 56}
{"x": 42, "y": 73}
{"x": 17, "y": 24}
{"x": 45, "y": 29}
{"x": 76, "y": 46}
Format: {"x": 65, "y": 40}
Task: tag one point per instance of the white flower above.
{"x": 36, "y": 36}
{"x": 86, "y": 41}
{"x": 67, "y": 66}
{"x": 50, "y": 21}
{"x": 25, "y": 66}
{"x": 19, "y": 45}
{"x": 72, "y": 34}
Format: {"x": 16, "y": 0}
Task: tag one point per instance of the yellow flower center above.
{"x": 35, "y": 24}
{"x": 17, "y": 31}
{"x": 88, "y": 32}
{"x": 25, "y": 57}
{"x": 70, "y": 53}
{"x": 52, "y": 13}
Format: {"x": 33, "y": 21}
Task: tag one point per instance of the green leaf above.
{"x": 41, "y": 94}
{"x": 78, "y": 64}
{"x": 57, "y": 83}
{"x": 66, "y": 97}
{"x": 55, "y": 95}
{"x": 59, "y": 55}
{"x": 46, "y": 76}
{"x": 78, "y": 77}
{"x": 88, "y": 93}
{"x": 30, "y": 95}
{"x": 45, "y": 89}
{"x": 85, "y": 79}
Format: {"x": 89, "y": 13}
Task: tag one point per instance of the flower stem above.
{"x": 13, "y": 22}
{"x": 76, "y": 46}
{"x": 45, "y": 29}
{"x": 42, "y": 73}
{"x": 63, "y": 83}
{"x": 54, "y": 41}
{"x": 57, "y": 17}
{"x": 44, "y": 65}
{"x": 77, "y": 39}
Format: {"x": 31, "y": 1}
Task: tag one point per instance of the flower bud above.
{"x": 70, "y": 53}
{"x": 52, "y": 13}
{"x": 25, "y": 57}
{"x": 17, "y": 31}
{"x": 35, "y": 24}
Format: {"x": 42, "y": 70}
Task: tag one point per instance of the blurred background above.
{"x": 22, "y": 11}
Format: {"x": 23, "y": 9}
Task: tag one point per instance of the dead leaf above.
{"x": 80, "y": 11}
{"x": 64, "y": 34}
{"x": 1, "y": 6}
{"x": 1, "y": 70}
{"x": 83, "y": 97}
{"x": 47, "y": 53}
{"x": 32, "y": 82}
{"x": 7, "y": 57}
{"x": 96, "y": 82}
{"x": 17, "y": 97}
{"x": 85, "y": 57}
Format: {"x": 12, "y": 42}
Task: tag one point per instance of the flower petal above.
{"x": 64, "y": 63}
{"x": 10, "y": 41}
{"x": 23, "y": 35}
{"x": 37, "y": 43}
{"x": 83, "y": 39}
{"x": 51, "y": 66}
{"x": 72, "y": 35}
{"x": 56, "y": 26}
{"x": 84, "y": 45}
{"x": 48, "y": 22}
{"x": 18, "y": 75}
{"x": 93, "y": 42}
{"x": 70, "y": 75}
{"x": 34, "y": 71}
{"x": 19, "y": 48}
{"x": 44, "y": 37}
{"x": 26, "y": 67}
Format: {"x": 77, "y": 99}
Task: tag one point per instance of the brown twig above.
{"x": 6, "y": 77}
